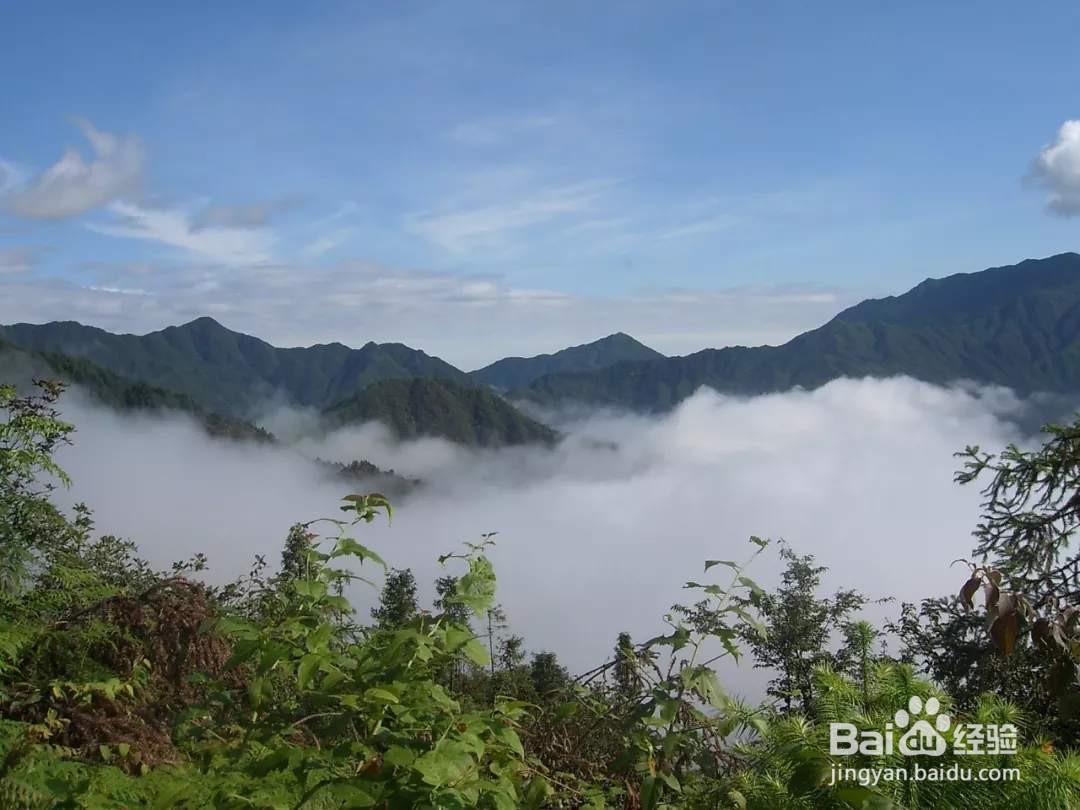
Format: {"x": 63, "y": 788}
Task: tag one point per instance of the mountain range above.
{"x": 1017, "y": 326}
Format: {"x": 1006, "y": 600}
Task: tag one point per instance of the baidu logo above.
{"x": 923, "y": 730}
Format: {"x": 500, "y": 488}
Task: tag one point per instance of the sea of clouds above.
{"x": 599, "y": 533}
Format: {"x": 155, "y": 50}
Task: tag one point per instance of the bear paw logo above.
{"x": 925, "y": 735}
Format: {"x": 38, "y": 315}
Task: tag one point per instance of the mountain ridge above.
{"x": 232, "y": 372}
{"x": 1015, "y": 325}
{"x": 515, "y": 372}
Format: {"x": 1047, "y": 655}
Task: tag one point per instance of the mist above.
{"x": 599, "y": 533}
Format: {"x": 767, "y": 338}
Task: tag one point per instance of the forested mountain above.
{"x": 1017, "y": 326}
{"x": 427, "y": 407}
{"x": 515, "y": 372}
{"x": 230, "y": 372}
{"x": 20, "y": 366}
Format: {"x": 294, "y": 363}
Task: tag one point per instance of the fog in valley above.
{"x": 597, "y": 534}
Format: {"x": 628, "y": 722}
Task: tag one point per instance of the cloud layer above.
{"x": 598, "y": 534}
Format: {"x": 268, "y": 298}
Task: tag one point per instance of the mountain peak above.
{"x": 202, "y": 324}
{"x": 515, "y": 372}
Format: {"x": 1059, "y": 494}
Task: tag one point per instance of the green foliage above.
{"x": 796, "y": 628}
{"x": 428, "y": 407}
{"x": 397, "y": 602}
{"x": 787, "y": 765}
{"x": 119, "y": 392}
{"x": 230, "y": 373}
{"x": 122, "y": 686}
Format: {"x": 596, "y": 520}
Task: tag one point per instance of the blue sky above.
{"x": 482, "y": 179}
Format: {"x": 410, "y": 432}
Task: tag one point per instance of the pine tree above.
{"x": 397, "y": 602}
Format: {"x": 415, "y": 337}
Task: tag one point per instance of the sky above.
{"x": 486, "y": 179}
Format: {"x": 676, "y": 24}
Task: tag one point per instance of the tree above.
{"x": 798, "y": 627}
{"x": 397, "y": 601}
{"x": 547, "y": 674}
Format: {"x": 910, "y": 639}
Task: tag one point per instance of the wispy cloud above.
{"x": 247, "y": 215}
{"x": 1057, "y": 169}
{"x": 699, "y": 227}
{"x": 173, "y": 227}
{"x": 74, "y": 185}
{"x": 466, "y": 229}
{"x": 493, "y": 132}
{"x": 470, "y": 319}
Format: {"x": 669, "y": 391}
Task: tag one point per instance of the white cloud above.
{"x": 471, "y": 228}
{"x": 17, "y": 260}
{"x": 1057, "y": 168}
{"x": 468, "y": 319}
{"x": 598, "y": 534}
{"x": 173, "y": 227}
{"x": 74, "y": 185}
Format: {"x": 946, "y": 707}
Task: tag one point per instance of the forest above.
{"x": 125, "y": 686}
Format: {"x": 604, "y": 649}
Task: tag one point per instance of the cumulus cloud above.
{"x": 598, "y": 534}
{"x": 220, "y": 244}
{"x": 1057, "y": 168}
{"x": 74, "y": 185}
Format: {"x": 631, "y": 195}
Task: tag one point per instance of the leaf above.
{"x": 756, "y": 589}
{"x": 306, "y": 669}
{"x": 476, "y": 652}
{"x": 381, "y": 695}
{"x": 1004, "y": 631}
{"x": 537, "y": 792}
{"x": 968, "y": 591}
{"x": 729, "y": 563}
{"x": 511, "y": 739}
{"x": 351, "y": 794}
{"x": 863, "y": 798}
{"x": 809, "y": 775}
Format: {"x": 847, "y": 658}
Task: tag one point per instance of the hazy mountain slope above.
{"x": 20, "y": 366}
{"x": 231, "y": 372}
{"x": 1017, "y": 326}
{"x": 515, "y": 372}
{"x": 428, "y": 407}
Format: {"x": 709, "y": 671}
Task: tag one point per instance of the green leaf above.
{"x": 809, "y": 775}
{"x": 729, "y": 563}
{"x": 476, "y": 652}
{"x": 309, "y": 664}
{"x": 381, "y": 695}
{"x": 351, "y": 794}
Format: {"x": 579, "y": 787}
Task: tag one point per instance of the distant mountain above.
{"x": 516, "y": 372}
{"x": 229, "y": 372}
{"x": 20, "y": 366}
{"x": 428, "y": 407}
{"x": 1017, "y": 326}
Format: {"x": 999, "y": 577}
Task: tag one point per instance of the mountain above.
{"x": 429, "y": 407}
{"x": 20, "y": 366}
{"x": 516, "y": 372}
{"x": 229, "y": 372}
{"x": 1017, "y": 326}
